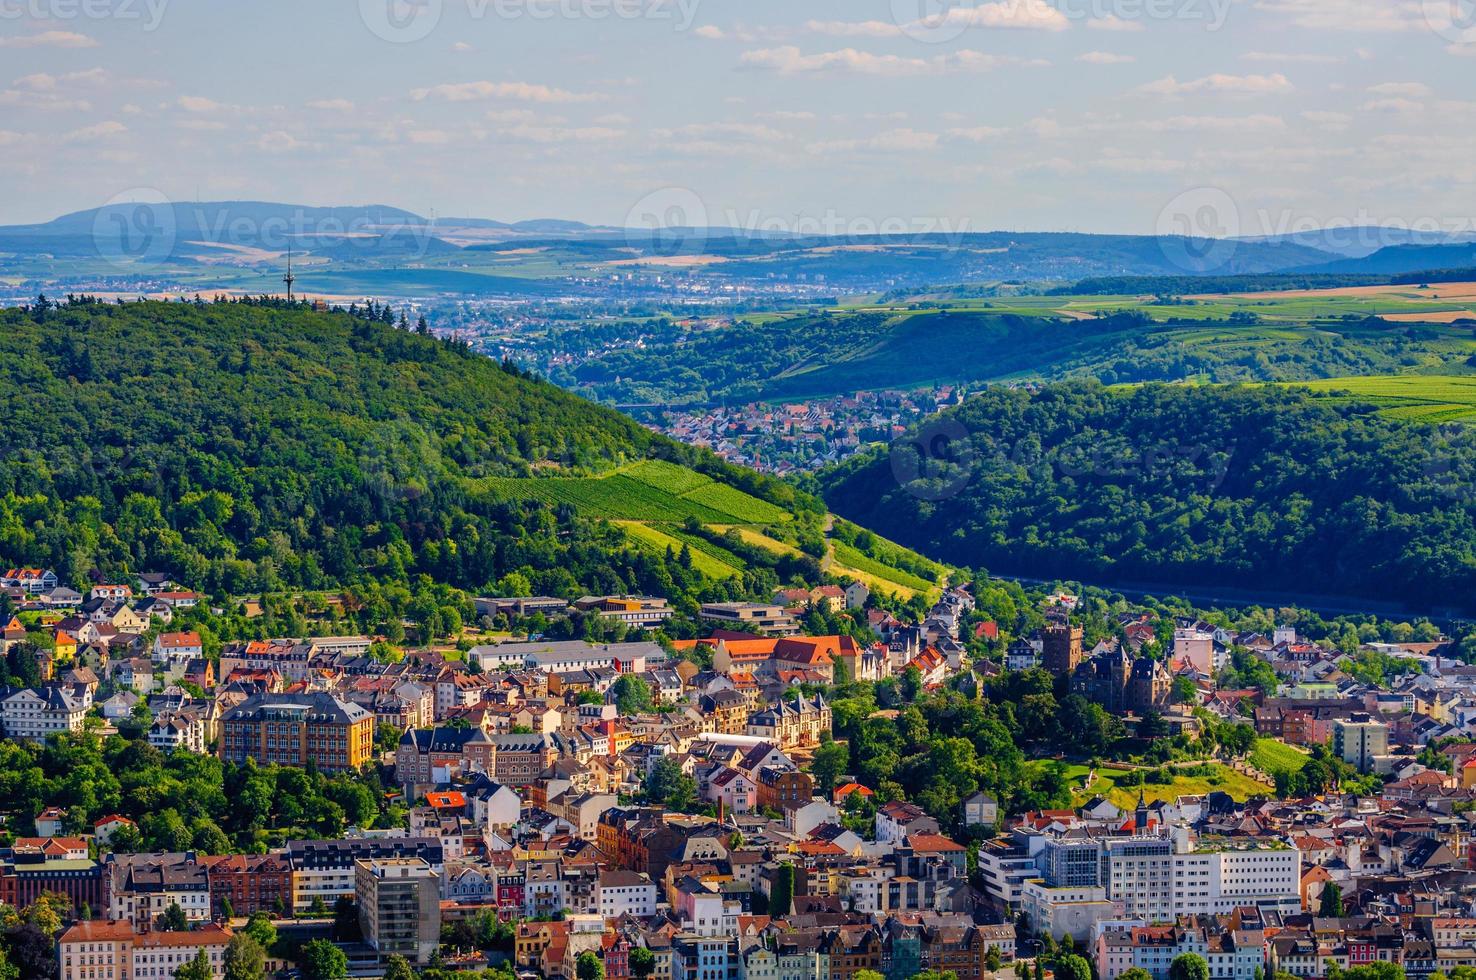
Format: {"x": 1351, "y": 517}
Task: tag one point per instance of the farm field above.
{"x": 1414, "y": 397}
{"x": 657, "y": 540}
{"x": 850, "y": 557}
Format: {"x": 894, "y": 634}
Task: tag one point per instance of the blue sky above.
{"x": 1091, "y": 115}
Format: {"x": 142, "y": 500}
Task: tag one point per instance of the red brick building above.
{"x": 252, "y": 883}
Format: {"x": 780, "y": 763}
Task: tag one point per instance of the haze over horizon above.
{"x": 1016, "y": 114}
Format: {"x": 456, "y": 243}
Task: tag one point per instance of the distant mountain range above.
{"x": 385, "y": 251}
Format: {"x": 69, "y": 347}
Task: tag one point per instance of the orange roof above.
{"x": 933, "y": 842}
{"x": 844, "y": 791}
{"x": 819, "y": 847}
{"x": 99, "y": 931}
{"x": 449, "y": 798}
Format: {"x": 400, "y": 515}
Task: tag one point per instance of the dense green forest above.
{"x": 248, "y": 447}
{"x": 818, "y": 355}
{"x": 1180, "y": 487}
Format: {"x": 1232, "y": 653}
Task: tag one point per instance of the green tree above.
{"x": 992, "y": 959}
{"x": 173, "y": 919}
{"x": 829, "y": 762}
{"x": 197, "y": 968}
{"x": 320, "y": 959}
{"x": 589, "y": 967}
{"x": 1072, "y": 967}
{"x": 867, "y": 975}
{"x": 398, "y": 968}
{"x": 1331, "y": 906}
{"x": 632, "y": 695}
{"x": 245, "y": 959}
{"x": 1135, "y": 973}
{"x": 642, "y": 962}
{"x": 781, "y": 896}
{"x": 1189, "y": 966}
{"x": 260, "y": 928}
{"x": 669, "y": 786}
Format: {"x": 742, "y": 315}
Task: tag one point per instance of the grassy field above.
{"x": 1271, "y": 756}
{"x": 1224, "y": 779}
{"x": 1413, "y": 397}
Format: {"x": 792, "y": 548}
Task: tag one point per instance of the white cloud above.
{"x": 1223, "y": 124}
{"x": 1462, "y": 50}
{"x": 722, "y": 130}
{"x": 196, "y": 103}
{"x": 562, "y": 134}
{"x": 461, "y": 47}
{"x": 710, "y": 33}
{"x": 8, "y": 138}
{"x": 1413, "y": 90}
{"x": 202, "y": 125}
{"x": 789, "y": 60}
{"x": 976, "y": 134}
{"x": 1363, "y": 16}
{"x": 1105, "y": 58}
{"x": 278, "y": 141}
{"x": 522, "y": 91}
{"x": 1220, "y": 83}
{"x": 98, "y": 131}
{"x": 1336, "y": 121}
{"x": 788, "y": 115}
{"x": 331, "y": 105}
{"x": 511, "y": 115}
{"x": 1282, "y": 58}
{"x": 1026, "y": 15}
{"x": 1112, "y": 22}
{"x": 890, "y": 141}
{"x": 1397, "y": 106}
{"x": 49, "y": 39}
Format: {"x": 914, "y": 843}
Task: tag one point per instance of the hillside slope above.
{"x": 1179, "y": 486}
{"x": 248, "y": 447}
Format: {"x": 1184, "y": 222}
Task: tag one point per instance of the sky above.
{"x": 1205, "y": 116}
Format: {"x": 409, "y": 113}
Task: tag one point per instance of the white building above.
{"x": 626, "y": 893}
{"x": 35, "y": 713}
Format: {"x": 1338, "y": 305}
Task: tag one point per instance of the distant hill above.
{"x": 1355, "y": 243}
{"x": 1397, "y": 259}
{"x": 1181, "y": 487}
{"x": 249, "y": 447}
{"x": 225, "y": 220}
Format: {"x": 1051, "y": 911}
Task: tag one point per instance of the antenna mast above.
{"x": 289, "y": 278}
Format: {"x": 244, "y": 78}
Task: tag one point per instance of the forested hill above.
{"x": 247, "y": 447}
{"x": 1180, "y": 487}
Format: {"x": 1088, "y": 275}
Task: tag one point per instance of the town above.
{"x": 729, "y": 807}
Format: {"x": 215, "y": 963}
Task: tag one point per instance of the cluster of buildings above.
{"x": 800, "y": 436}
{"x": 521, "y": 764}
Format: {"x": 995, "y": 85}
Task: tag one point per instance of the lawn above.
{"x": 1224, "y": 779}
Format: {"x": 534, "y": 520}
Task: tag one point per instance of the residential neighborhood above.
{"x": 683, "y": 797}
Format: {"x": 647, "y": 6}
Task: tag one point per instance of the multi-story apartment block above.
{"x": 323, "y": 870}
{"x": 34, "y": 713}
{"x": 110, "y": 950}
{"x": 295, "y": 729}
{"x": 399, "y": 902}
